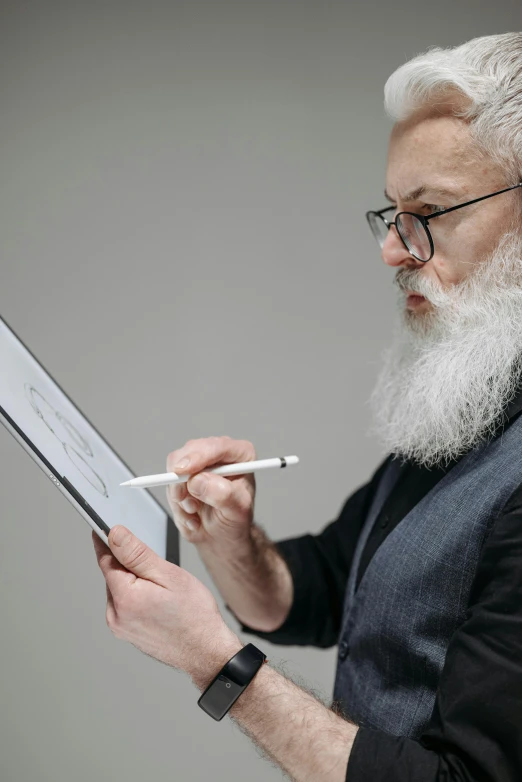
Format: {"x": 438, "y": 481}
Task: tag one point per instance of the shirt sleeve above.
{"x": 320, "y": 565}
{"x": 475, "y": 732}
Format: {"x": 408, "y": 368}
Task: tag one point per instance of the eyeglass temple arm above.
{"x": 468, "y": 203}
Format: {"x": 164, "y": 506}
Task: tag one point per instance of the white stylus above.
{"x": 240, "y": 468}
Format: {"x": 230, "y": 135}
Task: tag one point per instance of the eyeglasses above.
{"x": 413, "y": 228}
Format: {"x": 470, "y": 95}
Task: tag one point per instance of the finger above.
{"x": 187, "y": 523}
{"x": 196, "y": 455}
{"x": 177, "y": 491}
{"x": 116, "y": 575}
{"x": 139, "y": 559}
{"x": 187, "y": 503}
{"x": 103, "y": 552}
{"x": 227, "y": 496}
{"x": 178, "y": 495}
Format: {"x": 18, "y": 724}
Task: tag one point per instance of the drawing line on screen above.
{"x": 56, "y": 421}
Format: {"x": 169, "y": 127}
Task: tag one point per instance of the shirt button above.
{"x": 385, "y": 521}
{"x": 343, "y": 650}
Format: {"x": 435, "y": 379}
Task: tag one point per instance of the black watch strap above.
{"x": 226, "y": 687}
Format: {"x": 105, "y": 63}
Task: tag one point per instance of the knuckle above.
{"x": 214, "y": 447}
{"x": 137, "y": 555}
{"x": 249, "y": 448}
{"x": 172, "y": 458}
{"x": 243, "y": 503}
{"x": 224, "y": 490}
{"x": 217, "y": 446}
{"x": 103, "y": 562}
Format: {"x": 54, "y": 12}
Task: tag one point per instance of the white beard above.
{"x": 450, "y": 373}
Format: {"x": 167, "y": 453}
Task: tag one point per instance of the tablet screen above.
{"x": 72, "y": 446}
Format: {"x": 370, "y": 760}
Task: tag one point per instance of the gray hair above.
{"x": 486, "y": 75}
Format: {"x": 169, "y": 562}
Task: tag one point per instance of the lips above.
{"x": 414, "y": 299}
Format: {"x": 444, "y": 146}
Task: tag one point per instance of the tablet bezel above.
{"x": 64, "y": 486}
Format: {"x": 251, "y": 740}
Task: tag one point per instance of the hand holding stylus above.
{"x": 209, "y": 507}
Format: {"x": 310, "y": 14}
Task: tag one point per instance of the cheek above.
{"x": 456, "y": 257}
{"x": 447, "y": 271}
{"x": 470, "y": 244}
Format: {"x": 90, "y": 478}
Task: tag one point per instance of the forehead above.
{"x": 436, "y": 151}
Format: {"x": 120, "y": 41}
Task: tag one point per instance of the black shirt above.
{"x": 475, "y": 731}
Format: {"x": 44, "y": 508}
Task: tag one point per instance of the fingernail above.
{"x": 120, "y": 536}
{"x": 182, "y": 465}
{"x": 198, "y": 484}
{"x": 189, "y": 505}
{"x": 190, "y": 525}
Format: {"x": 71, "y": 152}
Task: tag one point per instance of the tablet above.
{"x": 78, "y": 461}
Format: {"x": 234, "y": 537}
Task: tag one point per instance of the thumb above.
{"x": 134, "y": 555}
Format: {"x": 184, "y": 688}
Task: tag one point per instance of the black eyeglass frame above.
{"x": 425, "y": 218}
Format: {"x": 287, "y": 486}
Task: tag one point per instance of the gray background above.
{"x": 183, "y": 244}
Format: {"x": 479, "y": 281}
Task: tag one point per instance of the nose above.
{"x": 394, "y": 253}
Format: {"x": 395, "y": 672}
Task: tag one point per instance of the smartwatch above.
{"x": 226, "y": 687}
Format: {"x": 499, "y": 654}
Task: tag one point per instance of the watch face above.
{"x": 233, "y": 678}
{"x": 220, "y": 696}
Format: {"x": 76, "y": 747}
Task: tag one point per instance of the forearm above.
{"x": 305, "y": 738}
{"x": 253, "y": 579}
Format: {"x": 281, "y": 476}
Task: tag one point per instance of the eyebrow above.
{"x": 414, "y": 195}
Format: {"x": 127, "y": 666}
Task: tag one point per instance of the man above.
{"x": 419, "y": 580}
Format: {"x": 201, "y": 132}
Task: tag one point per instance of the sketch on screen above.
{"x": 69, "y": 437}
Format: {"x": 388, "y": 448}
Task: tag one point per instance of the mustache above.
{"x": 414, "y": 280}
{"x": 410, "y": 280}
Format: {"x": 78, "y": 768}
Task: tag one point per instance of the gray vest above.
{"x": 415, "y": 591}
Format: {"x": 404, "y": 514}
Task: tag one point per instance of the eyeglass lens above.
{"x": 410, "y": 229}
{"x": 414, "y": 235}
{"x": 379, "y": 227}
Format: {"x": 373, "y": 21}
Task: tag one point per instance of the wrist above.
{"x": 241, "y": 549}
{"x": 213, "y": 655}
